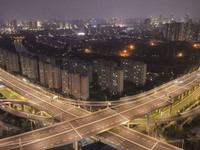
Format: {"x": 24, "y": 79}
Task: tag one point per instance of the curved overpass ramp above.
{"x": 15, "y": 112}
{"x": 177, "y": 117}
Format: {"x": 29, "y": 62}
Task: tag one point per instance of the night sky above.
{"x": 65, "y": 9}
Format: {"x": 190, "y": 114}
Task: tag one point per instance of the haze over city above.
{"x": 62, "y": 9}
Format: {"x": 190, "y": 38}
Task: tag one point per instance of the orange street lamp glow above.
{"x": 179, "y": 55}
{"x": 88, "y": 50}
{"x": 153, "y": 44}
{"x": 124, "y": 53}
{"x": 132, "y": 47}
{"x": 196, "y": 45}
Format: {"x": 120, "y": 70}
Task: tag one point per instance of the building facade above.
{"x": 29, "y": 66}
{"x": 75, "y": 84}
{"x": 109, "y": 75}
{"x": 9, "y": 60}
{"x": 78, "y": 66}
{"x": 134, "y": 71}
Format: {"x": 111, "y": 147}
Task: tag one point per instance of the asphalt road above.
{"x": 114, "y": 135}
{"x": 93, "y": 123}
{"x": 130, "y": 140}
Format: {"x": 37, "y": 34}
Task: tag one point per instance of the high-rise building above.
{"x": 84, "y": 88}
{"x": 35, "y": 25}
{"x": 56, "y": 77}
{"x": 9, "y": 60}
{"x": 47, "y": 59}
{"x": 61, "y": 25}
{"x": 14, "y": 61}
{"x": 50, "y": 75}
{"x": 2, "y": 57}
{"x": 30, "y": 25}
{"x": 14, "y": 24}
{"x": 7, "y": 23}
{"x": 182, "y": 31}
{"x": 75, "y": 84}
{"x": 134, "y": 71}
{"x": 29, "y": 66}
{"x": 172, "y": 31}
{"x": 41, "y": 72}
{"x": 78, "y": 66}
{"x": 109, "y": 75}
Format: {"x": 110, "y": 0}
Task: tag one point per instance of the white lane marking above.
{"x": 154, "y": 145}
{"x": 75, "y": 130}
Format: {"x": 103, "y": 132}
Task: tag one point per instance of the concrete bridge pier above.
{"x": 33, "y": 111}
{"x": 161, "y": 112}
{"x": 23, "y": 108}
{"x": 90, "y": 108}
{"x": 170, "y": 110}
{"x": 147, "y": 125}
{"x": 188, "y": 92}
{"x": 75, "y": 145}
{"x": 172, "y": 100}
{"x": 52, "y": 122}
{"x": 128, "y": 124}
{"x": 41, "y": 113}
{"x": 181, "y": 96}
{"x": 156, "y": 132}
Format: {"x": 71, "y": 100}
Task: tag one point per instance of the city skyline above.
{"x": 68, "y": 9}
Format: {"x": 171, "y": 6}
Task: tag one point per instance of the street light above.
{"x": 180, "y": 54}
{"x": 132, "y": 47}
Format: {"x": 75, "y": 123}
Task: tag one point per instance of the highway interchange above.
{"x": 90, "y": 124}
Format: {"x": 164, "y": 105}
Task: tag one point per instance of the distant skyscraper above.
{"x": 30, "y": 25}
{"x": 61, "y": 25}
{"x": 147, "y": 24}
{"x": 14, "y": 24}
{"x": 7, "y": 23}
{"x": 172, "y": 31}
{"x": 186, "y": 19}
{"x": 35, "y": 25}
